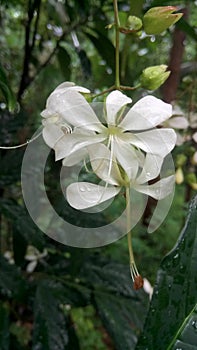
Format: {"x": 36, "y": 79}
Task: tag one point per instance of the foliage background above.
{"x": 75, "y": 298}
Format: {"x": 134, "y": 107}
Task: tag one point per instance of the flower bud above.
{"x": 179, "y": 176}
{"x": 133, "y": 25}
{"x": 153, "y": 77}
{"x": 181, "y": 160}
{"x": 158, "y": 19}
{"x": 192, "y": 180}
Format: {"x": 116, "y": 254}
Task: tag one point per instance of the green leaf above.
{"x": 4, "y": 328}
{"x": 122, "y": 310}
{"x": 186, "y": 337}
{"x": 50, "y": 331}
{"x": 12, "y": 284}
{"x": 175, "y": 293}
{"x": 64, "y": 62}
{"x": 104, "y": 47}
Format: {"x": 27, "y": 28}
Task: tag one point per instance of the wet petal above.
{"x": 151, "y": 168}
{"x": 75, "y": 157}
{"x": 127, "y": 157}
{"x": 71, "y": 143}
{"x": 154, "y": 110}
{"x": 159, "y": 190}
{"x": 74, "y": 109}
{"x": 114, "y": 102}
{"x": 83, "y": 195}
{"x": 157, "y": 141}
{"x": 51, "y": 134}
{"x": 100, "y": 161}
{"x": 70, "y": 85}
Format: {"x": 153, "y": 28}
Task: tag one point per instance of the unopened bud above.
{"x": 158, "y": 19}
{"x": 179, "y": 176}
{"x": 153, "y": 77}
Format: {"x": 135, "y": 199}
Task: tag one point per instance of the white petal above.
{"x": 71, "y": 143}
{"x": 75, "y": 157}
{"x": 157, "y": 141}
{"x": 159, "y": 190}
{"x": 195, "y": 136}
{"x": 178, "y": 122}
{"x": 114, "y": 102}
{"x": 127, "y": 157}
{"x": 51, "y": 134}
{"x": 83, "y": 195}
{"x": 153, "y": 109}
{"x": 71, "y": 85}
{"x": 134, "y": 121}
{"x": 74, "y": 109}
{"x": 151, "y": 168}
{"x": 100, "y": 162}
{"x": 31, "y": 266}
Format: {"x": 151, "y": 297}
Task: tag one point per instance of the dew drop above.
{"x": 88, "y": 189}
{"x": 82, "y": 189}
{"x": 148, "y": 174}
{"x": 194, "y": 325}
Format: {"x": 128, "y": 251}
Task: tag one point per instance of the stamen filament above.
{"x": 136, "y": 277}
{"x": 22, "y": 144}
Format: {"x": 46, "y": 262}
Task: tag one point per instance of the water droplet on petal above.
{"x": 194, "y": 324}
{"x": 82, "y": 189}
{"x": 148, "y": 174}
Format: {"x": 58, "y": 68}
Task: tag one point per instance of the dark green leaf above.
{"x": 121, "y": 309}
{"x": 4, "y": 328}
{"x": 64, "y": 62}
{"x": 50, "y": 331}
{"x": 104, "y": 47}
{"x": 175, "y": 292}
{"x": 11, "y": 282}
{"x": 186, "y": 337}
{"x": 6, "y": 90}
{"x": 187, "y": 28}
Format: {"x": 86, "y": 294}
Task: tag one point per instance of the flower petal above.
{"x": 75, "y": 157}
{"x": 51, "y": 134}
{"x": 151, "y": 168}
{"x": 100, "y": 161}
{"x": 158, "y": 190}
{"x": 83, "y": 195}
{"x": 157, "y": 141}
{"x": 70, "y": 85}
{"x": 74, "y": 109}
{"x": 178, "y": 122}
{"x": 71, "y": 143}
{"x": 127, "y": 157}
{"x": 114, "y": 102}
{"x": 154, "y": 110}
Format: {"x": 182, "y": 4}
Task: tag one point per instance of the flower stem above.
{"x": 136, "y": 277}
{"x": 117, "y": 45}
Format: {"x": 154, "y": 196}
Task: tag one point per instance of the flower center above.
{"x": 114, "y": 130}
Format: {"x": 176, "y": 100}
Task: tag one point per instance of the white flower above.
{"x": 83, "y": 195}
{"x": 122, "y": 134}
{"x": 34, "y": 256}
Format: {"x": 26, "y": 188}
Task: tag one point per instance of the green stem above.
{"x": 117, "y": 45}
{"x": 128, "y": 214}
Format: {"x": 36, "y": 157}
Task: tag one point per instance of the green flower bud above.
{"x": 133, "y": 25}
{"x": 158, "y": 19}
{"x": 191, "y": 179}
{"x": 181, "y": 160}
{"x": 153, "y": 77}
